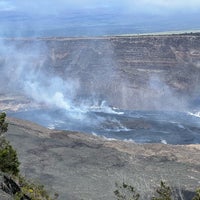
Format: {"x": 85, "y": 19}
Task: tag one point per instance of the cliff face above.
{"x": 144, "y": 72}
{"x": 132, "y": 72}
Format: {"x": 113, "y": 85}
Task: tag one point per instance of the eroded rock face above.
{"x": 131, "y": 72}
{"x": 144, "y": 72}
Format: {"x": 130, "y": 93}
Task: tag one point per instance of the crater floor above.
{"x": 81, "y": 166}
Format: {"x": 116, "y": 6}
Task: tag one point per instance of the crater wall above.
{"x": 130, "y": 72}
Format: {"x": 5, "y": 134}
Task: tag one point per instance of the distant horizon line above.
{"x": 159, "y": 33}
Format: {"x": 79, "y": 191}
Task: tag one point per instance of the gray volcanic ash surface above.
{"x": 81, "y": 166}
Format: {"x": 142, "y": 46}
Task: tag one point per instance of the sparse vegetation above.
{"x": 3, "y": 124}
{"x": 163, "y": 192}
{"x": 197, "y": 195}
{"x": 8, "y": 158}
{"x": 126, "y": 191}
{"x": 32, "y": 190}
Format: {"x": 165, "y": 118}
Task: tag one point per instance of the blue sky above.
{"x": 55, "y": 6}
{"x": 157, "y": 15}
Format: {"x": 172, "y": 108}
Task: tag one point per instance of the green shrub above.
{"x": 126, "y": 192}
{"x": 8, "y": 158}
{"x": 33, "y": 191}
{"x": 163, "y": 192}
{"x": 197, "y": 195}
{"x": 3, "y": 124}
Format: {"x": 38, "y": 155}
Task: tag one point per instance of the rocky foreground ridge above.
{"x": 80, "y": 166}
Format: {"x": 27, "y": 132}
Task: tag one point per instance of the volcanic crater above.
{"x": 150, "y": 77}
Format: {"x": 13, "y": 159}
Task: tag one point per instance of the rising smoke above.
{"x": 26, "y": 69}
{"x": 23, "y": 72}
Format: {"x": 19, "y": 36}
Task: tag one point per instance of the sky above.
{"x": 56, "y": 6}
{"x": 98, "y": 12}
